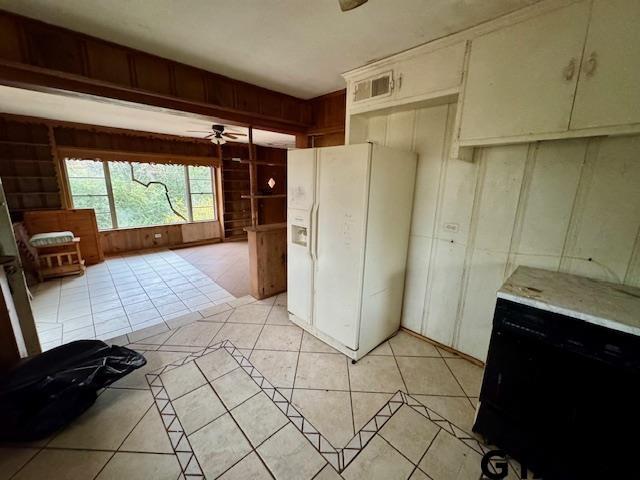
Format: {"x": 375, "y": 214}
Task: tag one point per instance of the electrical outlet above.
{"x": 157, "y": 235}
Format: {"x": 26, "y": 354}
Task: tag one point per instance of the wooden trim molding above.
{"x": 129, "y": 156}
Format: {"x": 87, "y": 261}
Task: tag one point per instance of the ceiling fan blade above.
{"x": 210, "y": 135}
{"x": 238, "y": 134}
{"x": 199, "y": 131}
{"x": 229, "y": 135}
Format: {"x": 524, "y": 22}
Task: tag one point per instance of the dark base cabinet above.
{"x": 561, "y": 395}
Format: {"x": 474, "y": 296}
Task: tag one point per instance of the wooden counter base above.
{"x": 267, "y": 259}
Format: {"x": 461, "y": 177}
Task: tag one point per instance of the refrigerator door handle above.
{"x": 313, "y": 224}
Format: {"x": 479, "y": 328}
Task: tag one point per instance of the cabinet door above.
{"x": 608, "y": 90}
{"x": 431, "y": 72}
{"x": 522, "y": 78}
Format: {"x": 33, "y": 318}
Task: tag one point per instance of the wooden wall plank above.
{"x": 10, "y": 39}
{"x": 152, "y": 73}
{"x": 189, "y": 83}
{"x": 108, "y": 63}
{"x": 539, "y": 236}
{"x": 54, "y": 48}
{"x": 487, "y": 256}
{"x": 328, "y": 114}
{"x": 606, "y": 220}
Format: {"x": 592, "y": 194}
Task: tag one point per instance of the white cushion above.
{"x": 50, "y": 238}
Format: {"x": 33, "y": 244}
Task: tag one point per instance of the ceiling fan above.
{"x": 218, "y": 135}
{"x": 346, "y": 5}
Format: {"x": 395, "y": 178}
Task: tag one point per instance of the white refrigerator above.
{"x": 348, "y": 220}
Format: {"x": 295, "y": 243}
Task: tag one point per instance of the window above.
{"x": 129, "y": 194}
{"x": 201, "y": 191}
{"x": 89, "y": 189}
{"x": 141, "y": 206}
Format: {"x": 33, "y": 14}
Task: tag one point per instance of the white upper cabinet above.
{"x": 433, "y": 72}
{"x": 558, "y": 69}
{"x": 407, "y": 78}
{"x": 608, "y": 91}
{"x": 522, "y": 78}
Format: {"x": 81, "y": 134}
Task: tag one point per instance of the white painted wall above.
{"x": 572, "y": 205}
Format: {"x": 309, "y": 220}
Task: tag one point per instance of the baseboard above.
{"x": 471, "y": 359}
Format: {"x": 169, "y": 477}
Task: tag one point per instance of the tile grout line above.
{"x": 393, "y": 353}
{"x": 39, "y": 450}
{"x": 125, "y": 438}
{"x": 417, "y": 465}
{"x": 456, "y": 379}
{"x": 295, "y": 370}
{"x": 379, "y": 434}
{"x": 237, "y": 426}
{"x": 210, "y": 384}
{"x": 58, "y": 315}
{"x": 353, "y": 420}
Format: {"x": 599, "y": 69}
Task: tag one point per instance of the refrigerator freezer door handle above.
{"x": 313, "y": 223}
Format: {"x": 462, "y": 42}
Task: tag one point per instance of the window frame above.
{"x": 111, "y": 198}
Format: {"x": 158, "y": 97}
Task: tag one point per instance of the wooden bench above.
{"x": 60, "y": 260}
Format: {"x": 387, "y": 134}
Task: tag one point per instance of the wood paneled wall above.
{"x": 37, "y": 54}
{"x": 567, "y": 205}
{"x": 132, "y": 239}
{"x": 328, "y": 114}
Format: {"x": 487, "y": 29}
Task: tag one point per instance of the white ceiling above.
{"x": 97, "y": 111}
{"x": 298, "y": 47}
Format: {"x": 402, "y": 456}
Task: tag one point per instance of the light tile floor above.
{"x": 121, "y": 295}
{"x": 244, "y": 393}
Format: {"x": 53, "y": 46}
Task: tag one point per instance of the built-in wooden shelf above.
{"x": 24, "y": 194}
{"x": 23, "y": 144}
{"x": 30, "y": 160}
{"x": 277, "y": 195}
{"x": 258, "y": 162}
{"x": 30, "y": 177}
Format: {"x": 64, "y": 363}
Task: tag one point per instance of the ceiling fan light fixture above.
{"x": 346, "y": 5}
{"x": 218, "y": 140}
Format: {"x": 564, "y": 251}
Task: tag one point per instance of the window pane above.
{"x": 98, "y": 203}
{"x": 201, "y": 186}
{"x": 104, "y": 221}
{"x": 202, "y": 193}
{"x": 85, "y": 168}
{"x": 88, "y": 186}
{"x": 202, "y": 173}
{"x": 89, "y": 189}
{"x": 137, "y": 205}
{"x": 202, "y": 206}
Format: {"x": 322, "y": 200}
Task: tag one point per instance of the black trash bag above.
{"x": 48, "y": 391}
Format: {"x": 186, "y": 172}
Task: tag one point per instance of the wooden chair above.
{"x": 60, "y": 260}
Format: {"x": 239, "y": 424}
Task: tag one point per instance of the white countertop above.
{"x": 601, "y": 303}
